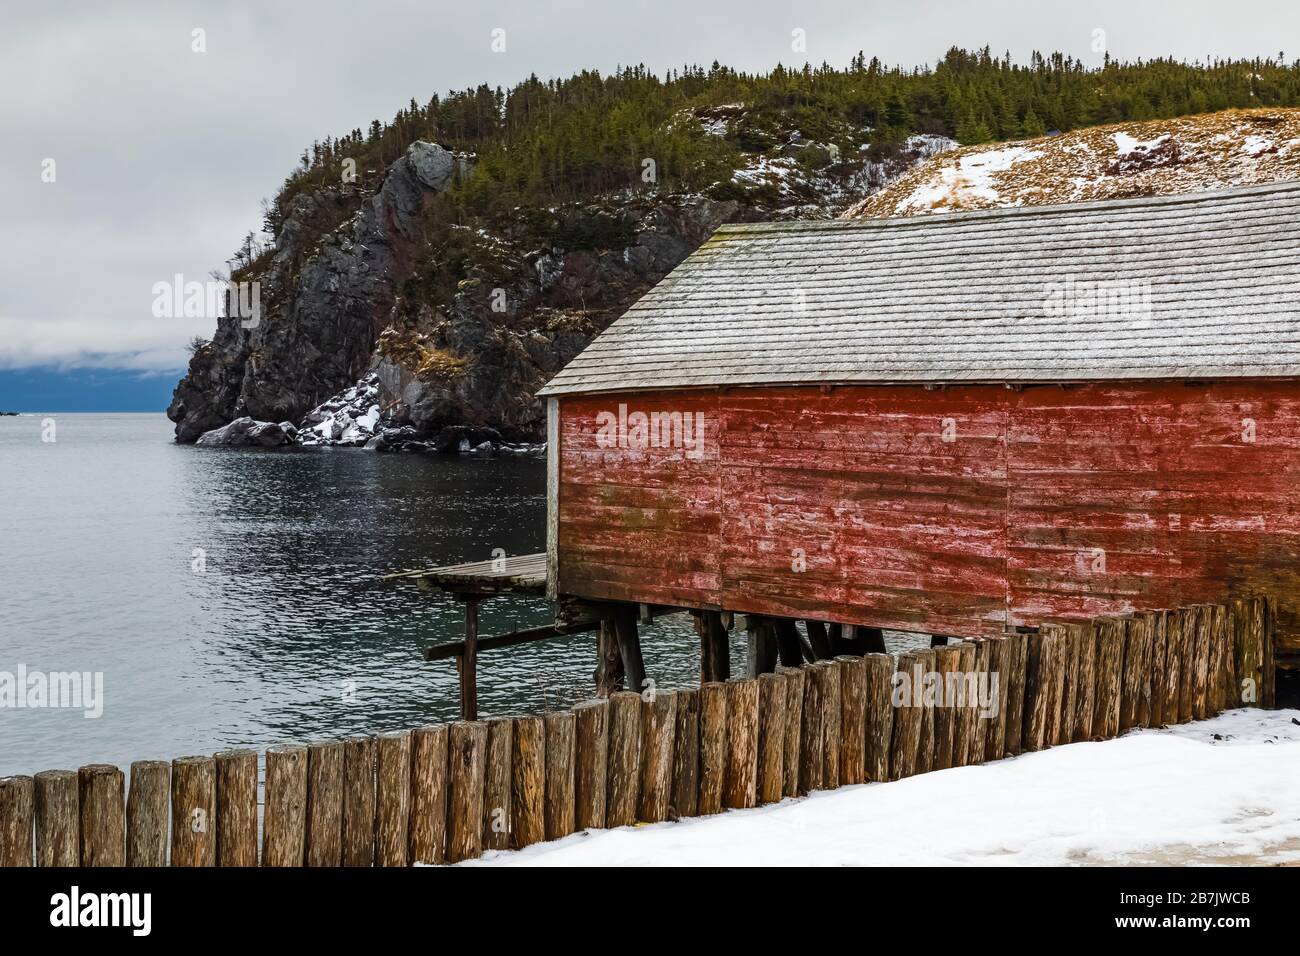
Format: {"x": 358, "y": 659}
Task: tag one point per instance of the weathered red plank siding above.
{"x": 950, "y": 511}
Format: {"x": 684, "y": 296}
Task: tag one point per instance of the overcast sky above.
{"x": 162, "y": 154}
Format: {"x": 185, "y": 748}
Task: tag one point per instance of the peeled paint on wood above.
{"x": 624, "y": 792}
{"x": 392, "y": 797}
{"x": 466, "y": 750}
{"x": 558, "y": 799}
{"x": 686, "y": 755}
{"x": 428, "y": 828}
{"x": 528, "y": 781}
{"x": 58, "y": 819}
{"x": 794, "y": 690}
{"x": 880, "y": 715}
{"x": 17, "y": 807}
{"x": 359, "y": 801}
{"x": 853, "y": 720}
{"x": 741, "y": 782}
{"x": 324, "y": 804}
{"x": 658, "y": 733}
{"x": 236, "y": 794}
{"x": 591, "y": 763}
{"x": 284, "y": 822}
{"x": 713, "y": 746}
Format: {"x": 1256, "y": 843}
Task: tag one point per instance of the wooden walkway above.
{"x": 519, "y": 574}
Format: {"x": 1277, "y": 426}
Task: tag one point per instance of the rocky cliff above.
{"x": 384, "y": 319}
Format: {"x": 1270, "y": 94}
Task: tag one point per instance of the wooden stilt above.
{"x": 467, "y": 662}
{"x": 715, "y": 652}
{"x": 822, "y": 638}
{"x": 629, "y": 646}
{"x": 787, "y": 642}
{"x": 761, "y": 636}
{"x": 609, "y": 667}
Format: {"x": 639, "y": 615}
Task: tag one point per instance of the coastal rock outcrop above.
{"x": 247, "y": 432}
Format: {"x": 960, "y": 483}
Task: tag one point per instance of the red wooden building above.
{"x": 949, "y": 424}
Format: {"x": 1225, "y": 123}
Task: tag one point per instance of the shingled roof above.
{"x": 1203, "y": 285}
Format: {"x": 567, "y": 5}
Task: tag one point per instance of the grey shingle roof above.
{"x": 991, "y": 296}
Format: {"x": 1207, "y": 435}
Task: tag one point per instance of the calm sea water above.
{"x": 281, "y": 632}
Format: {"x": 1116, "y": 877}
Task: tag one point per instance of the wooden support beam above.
{"x": 629, "y": 646}
{"x": 822, "y": 638}
{"x": 497, "y": 641}
{"x": 761, "y": 636}
{"x": 609, "y": 662}
{"x": 787, "y": 642}
{"x": 715, "y": 652}
{"x": 467, "y": 662}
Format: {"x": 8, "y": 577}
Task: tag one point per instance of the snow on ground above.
{"x": 1225, "y": 790}
{"x": 1126, "y": 144}
{"x": 969, "y": 182}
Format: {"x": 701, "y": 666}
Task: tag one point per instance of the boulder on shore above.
{"x": 245, "y": 432}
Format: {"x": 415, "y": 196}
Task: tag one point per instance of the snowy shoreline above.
{"x": 1220, "y": 791}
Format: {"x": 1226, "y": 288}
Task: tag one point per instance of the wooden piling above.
{"x": 880, "y": 715}
{"x": 17, "y": 808}
{"x": 831, "y": 730}
{"x": 609, "y": 665}
{"x": 58, "y": 819}
{"x": 1083, "y": 657}
{"x": 740, "y": 787}
{"x": 1159, "y": 667}
{"x": 947, "y": 659}
{"x": 236, "y": 796}
{"x": 1187, "y": 672}
{"x": 466, "y": 753}
{"x": 392, "y": 798}
{"x": 713, "y": 746}
{"x": 284, "y": 822}
{"x": 907, "y": 717}
{"x": 1014, "y": 656}
{"x": 1201, "y": 659}
{"x": 324, "y": 825}
{"x": 629, "y": 645}
{"x": 428, "y": 828}
{"x": 715, "y": 649}
{"x": 978, "y": 721}
{"x": 995, "y": 729}
{"x": 1108, "y": 636}
{"x": 1216, "y": 686}
{"x": 559, "y": 773}
{"x": 590, "y": 763}
{"x": 853, "y": 719}
{"x": 686, "y": 754}
{"x": 193, "y": 813}
{"x": 528, "y": 780}
{"x": 623, "y": 794}
{"x": 770, "y": 785}
{"x": 101, "y": 803}
{"x": 1037, "y": 692}
{"x": 963, "y": 709}
{"x": 794, "y": 678}
{"x": 1135, "y": 700}
{"x": 1173, "y": 664}
{"x": 1248, "y": 652}
{"x": 812, "y": 749}
{"x": 789, "y": 649}
{"x": 658, "y": 734}
{"x": 359, "y": 801}
{"x": 147, "y": 813}
{"x": 497, "y": 783}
